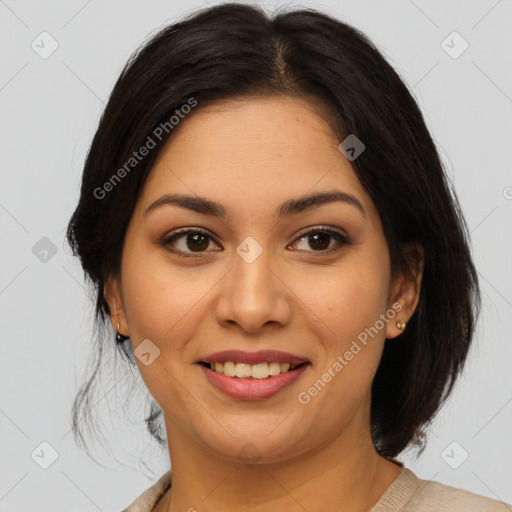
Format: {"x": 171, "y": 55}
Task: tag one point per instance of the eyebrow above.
{"x": 291, "y": 207}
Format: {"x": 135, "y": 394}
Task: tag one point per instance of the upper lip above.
{"x": 262, "y": 356}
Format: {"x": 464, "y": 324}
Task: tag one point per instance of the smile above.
{"x": 262, "y": 370}
{"x": 245, "y": 386}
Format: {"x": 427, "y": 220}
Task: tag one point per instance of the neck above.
{"x": 346, "y": 473}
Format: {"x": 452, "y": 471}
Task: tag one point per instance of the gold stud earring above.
{"x": 401, "y": 325}
{"x": 120, "y": 337}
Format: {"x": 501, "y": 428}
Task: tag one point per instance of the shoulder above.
{"x": 147, "y": 500}
{"x": 434, "y": 496}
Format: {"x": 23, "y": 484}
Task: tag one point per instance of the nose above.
{"x": 253, "y": 295}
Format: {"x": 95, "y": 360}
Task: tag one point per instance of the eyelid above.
{"x": 323, "y": 228}
{"x": 343, "y": 239}
{"x": 167, "y": 239}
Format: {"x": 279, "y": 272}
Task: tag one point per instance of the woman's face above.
{"x": 271, "y": 274}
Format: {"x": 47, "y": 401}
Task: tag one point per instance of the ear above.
{"x": 405, "y": 288}
{"x": 112, "y": 292}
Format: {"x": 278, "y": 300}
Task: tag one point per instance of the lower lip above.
{"x": 252, "y": 389}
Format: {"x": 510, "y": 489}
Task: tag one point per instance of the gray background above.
{"x": 49, "y": 111}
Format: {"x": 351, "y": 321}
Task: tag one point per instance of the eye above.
{"x": 187, "y": 241}
{"x": 193, "y": 240}
{"x": 320, "y": 239}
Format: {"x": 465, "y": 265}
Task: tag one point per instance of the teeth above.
{"x": 260, "y": 371}
{"x": 243, "y": 370}
{"x": 274, "y": 368}
{"x": 229, "y": 369}
{"x": 256, "y": 371}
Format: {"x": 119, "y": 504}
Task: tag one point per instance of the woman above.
{"x": 267, "y": 224}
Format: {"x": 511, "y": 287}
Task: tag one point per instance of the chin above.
{"x": 252, "y": 447}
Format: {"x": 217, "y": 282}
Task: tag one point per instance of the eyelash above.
{"x": 339, "y": 237}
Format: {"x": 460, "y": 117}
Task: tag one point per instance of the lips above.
{"x": 251, "y": 388}
{"x": 252, "y": 375}
{"x": 262, "y": 356}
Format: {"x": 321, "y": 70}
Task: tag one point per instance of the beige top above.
{"x": 407, "y": 493}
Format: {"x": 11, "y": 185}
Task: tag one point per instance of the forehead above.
{"x": 254, "y": 152}
{"x": 267, "y": 123}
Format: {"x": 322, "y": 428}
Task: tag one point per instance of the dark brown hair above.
{"x": 238, "y": 51}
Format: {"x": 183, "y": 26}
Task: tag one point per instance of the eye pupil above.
{"x": 200, "y": 241}
{"x": 320, "y": 238}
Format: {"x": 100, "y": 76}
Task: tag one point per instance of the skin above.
{"x": 252, "y": 155}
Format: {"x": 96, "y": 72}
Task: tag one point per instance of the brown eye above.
{"x": 197, "y": 241}
{"x": 320, "y": 240}
{"x": 187, "y": 241}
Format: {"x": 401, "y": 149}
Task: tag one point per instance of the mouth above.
{"x": 259, "y": 371}
{"x": 252, "y": 375}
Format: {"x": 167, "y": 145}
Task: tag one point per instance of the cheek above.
{"x": 159, "y": 301}
{"x": 349, "y": 298}
{"x": 164, "y": 306}
{"x": 346, "y": 313}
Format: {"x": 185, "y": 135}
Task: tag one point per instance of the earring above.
{"x": 401, "y": 325}
{"x": 120, "y": 337}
